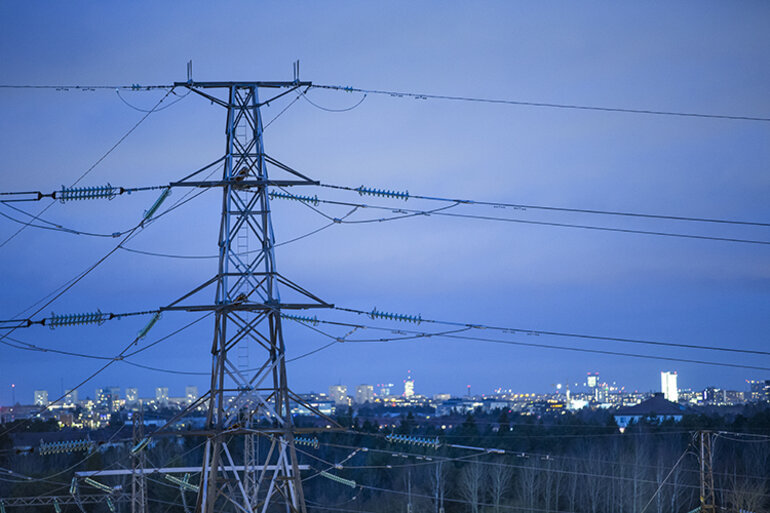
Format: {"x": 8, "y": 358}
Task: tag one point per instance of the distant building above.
{"x": 592, "y": 380}
{"x": 108, "y": 398}
{"x": 442, "y": 397}
{"x": 338, "y": 394}
{"x": 41, "y": 397}
{"x": 364, "y": 394}
{"x": 384, "y": 389}
{"x": 759, "y": 390}
{"x": 715, "y": 396}
{"x": 409, "y": 385}
{"x": 657, "y": 409}
{"x": 191, "y": 394}
{"x": 71, "y": 398}
{"x": 668, "y": 386}
{"x": 161, "y": 395}
{"x": 132, "y": 395}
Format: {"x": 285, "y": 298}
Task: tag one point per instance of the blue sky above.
{"x": 705, "y": 57}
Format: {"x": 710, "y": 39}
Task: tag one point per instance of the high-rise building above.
{"x": 104, "y": 399}
{"x": 384, "y": 389}
{"x": 759, "y": 390}
{"x": 592, "y": 380}
{"x": 338, "y": 394}
{"x": 191, "y": 394}
{"x": 132, "y": 395}
{"x": 408, "y": 385}
{"x": 364, "y": 394}
{"x": 71, "y": 398}
{"x": 41, "y": 397}
{"x": 668, "y": 386}
{"x": 161, "y": 395}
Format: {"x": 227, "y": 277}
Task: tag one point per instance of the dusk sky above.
{"x": 694, "y": 57}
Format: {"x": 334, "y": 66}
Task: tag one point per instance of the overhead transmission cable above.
{"x": 179, "y": 99}
{"x": 148, "y": 217}
{"x": 422, "y": 96}
{"x": 374, "y": 314}
{"x": 124, "y": 353}
{"x": 524, "y": 206}
{"x": 129, "y": 87}
{"x": 426, "y": 335}
{"x": 485, "y": 451}
{"x": 99, "y": 160}
{"x": 403, "y": 213}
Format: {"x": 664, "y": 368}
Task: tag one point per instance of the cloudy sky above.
{"x": 700, "y": 57}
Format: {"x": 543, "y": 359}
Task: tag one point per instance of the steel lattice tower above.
{"x": 247, "y": 308}
{"x": 138, "y": 462}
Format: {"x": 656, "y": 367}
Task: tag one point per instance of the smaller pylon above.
{"x": 138, "y": 460}
{"x": 707, "y": 495}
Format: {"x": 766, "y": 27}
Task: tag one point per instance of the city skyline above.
{"x": 666, "y": 385}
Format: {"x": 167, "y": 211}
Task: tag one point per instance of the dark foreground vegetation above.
{"x": 567, "y": 463}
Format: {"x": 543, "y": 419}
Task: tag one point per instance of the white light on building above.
{"x": 41, "y": 397}
{"x": 132, "y": 395}
{"x": 409, "y": 386}
{"x": 71, "y": 398}
{"x": 191, "y": 394}
{"x": 338, "y": 394}
{"x": 161, "y": 395}
{"x": 668, "y": 386}
{"x": 364, "y": 394}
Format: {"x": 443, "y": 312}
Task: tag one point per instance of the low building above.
{"x": 655, "y": 409}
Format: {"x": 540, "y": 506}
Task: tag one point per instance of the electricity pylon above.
{"x": 247, "y": 310}
{"x": 138, "y": 460}
{"x": 706, "y": 459}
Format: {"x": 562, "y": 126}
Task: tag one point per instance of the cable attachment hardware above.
{"x": 63, "y": 447}
{"x": 310, "y": 442}
{"x": 96, "y": 484}
{"x": 382, "y": 193}
{"x": 301, "y": 318}
{"x": 139, "y": 447}
{"x": 96, "y": 317}
{"x": 87, "y": 193}
{"x": 374, "y": 314}
{"x": 346, "y": 482}
{"x": 313, "y": 200}
{"x": 158, "y": 202}
{"x": 143, "y": 332}
{"x": 182, "y": 483}
{"x": 433, "y": 443}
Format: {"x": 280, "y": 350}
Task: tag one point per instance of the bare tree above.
{"x": 499, "y": 481}
{"x": 470, "y": 485}
{"x": 437, "y": 477}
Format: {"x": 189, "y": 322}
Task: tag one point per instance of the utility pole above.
{"x": 409, "y": 491}
{"x": 248, "y": 309}
{"x": 705, "y": 456}
{"x": 138, "y": 460}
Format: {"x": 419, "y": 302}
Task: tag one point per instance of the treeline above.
{"x": 566, "y": 463}
{"x": 563, "y": 463}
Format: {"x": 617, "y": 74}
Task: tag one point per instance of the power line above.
{"x": 422, "y": 96}
{"x": 326, "y": 109}
{"x": 131, "y": 87}
{"x": 179, "y": 99}
{"x": 80, "y": 193}
{"x": 536, "y": 332}
{"x": 98, "y": 161}
{"x": 409, "y": 213}
{"x": 423, "y": 335}
{"x": 57, "y": 227}
{"x": 523, "y": 206}
{"x": 71, "y": 320}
